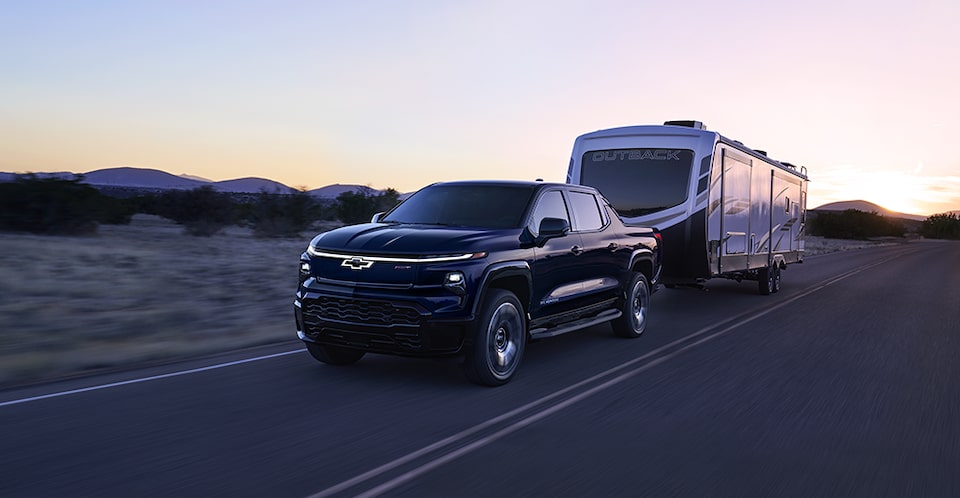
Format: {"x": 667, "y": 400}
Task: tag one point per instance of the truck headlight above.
{"x": 455, "y": 282}
{"x": 304, "y": 271}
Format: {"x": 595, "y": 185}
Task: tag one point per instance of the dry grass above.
{"x": 820, "y": 245}
{"x": 138, "y": 293}
{"x": 148, "y": 292}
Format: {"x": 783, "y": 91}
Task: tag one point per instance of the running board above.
{"x": 582, "y": 323}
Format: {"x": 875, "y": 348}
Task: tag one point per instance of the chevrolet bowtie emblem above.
{"x": 357, "y": 263}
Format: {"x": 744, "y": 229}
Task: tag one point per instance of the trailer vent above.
{"x": 689, "y": 124}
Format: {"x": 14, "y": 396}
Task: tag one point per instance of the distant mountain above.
{"x": 197, "y": 178}
{"x": 867, "y": 207}
{"x": 140, "y": 178}
{"x": 252, "y": 186}
{"x": 9, "y": 177}
{"x": 332, "y": 191}
{"x": 128, "y": 178}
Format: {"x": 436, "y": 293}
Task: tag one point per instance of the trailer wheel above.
{"x": 776, "y": 278}
{"x": 766, "y": 278}
{"x": 636, "y": 306}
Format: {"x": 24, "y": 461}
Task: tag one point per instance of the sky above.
{"x": 401, "y": 94}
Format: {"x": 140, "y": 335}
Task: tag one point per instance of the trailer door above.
{"x": 735, "y": 223}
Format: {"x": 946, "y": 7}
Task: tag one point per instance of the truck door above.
{"x": 556, "y": 273}
{"x": 601, "y": 263}
{"x": 735, "y": 223}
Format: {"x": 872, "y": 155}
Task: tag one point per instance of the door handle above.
{"x": 576, "y": 250}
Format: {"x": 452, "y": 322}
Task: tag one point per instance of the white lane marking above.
{"x": 147, "y": 379}
{"x": 445, "y": 458}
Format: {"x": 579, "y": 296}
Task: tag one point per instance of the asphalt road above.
{"x": 846, "y": 383}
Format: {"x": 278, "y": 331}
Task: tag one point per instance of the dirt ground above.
{"x": 147, "y": 292}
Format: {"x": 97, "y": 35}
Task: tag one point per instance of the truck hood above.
{"x": 356, "y": 253}
{"x": 404, "y": 239}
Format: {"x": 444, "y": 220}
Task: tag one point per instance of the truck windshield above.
{"x": 639, "y": 181}
{"x": 484, "y": 206}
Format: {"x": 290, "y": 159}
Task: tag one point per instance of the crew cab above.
{"x": 476, "y": 268}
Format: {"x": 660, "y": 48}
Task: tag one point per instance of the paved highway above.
{"x": 846, "y": 383}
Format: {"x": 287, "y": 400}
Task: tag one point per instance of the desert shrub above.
{"x": 358, "y": 207}
{"x": 853, "y": 224}
{"x": 941, "y": 226}
{"x": 282, "y": 215}
{"x": 57, "y": 206}
{"x": 202, "y": 211}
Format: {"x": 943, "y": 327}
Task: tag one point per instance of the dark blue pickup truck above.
{"x": 477, "y": 268}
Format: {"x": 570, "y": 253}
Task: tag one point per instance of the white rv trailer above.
{"x": 724, "y": 210}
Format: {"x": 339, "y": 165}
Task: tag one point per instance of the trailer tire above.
{"x": 776, "y": 279}
{"x": 765, "y": 280}
{"x": 636, "y": 306}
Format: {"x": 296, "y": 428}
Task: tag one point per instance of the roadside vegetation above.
{"x": 854, "y": 224}
{"x": 70, "y": 207}
{"x": 941, "y": 226}
{"x": 58, "y": 207}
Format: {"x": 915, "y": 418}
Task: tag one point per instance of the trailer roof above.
{"x": 675, "y": 130}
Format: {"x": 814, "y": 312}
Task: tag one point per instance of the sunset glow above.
{"x": 400, "y": 95}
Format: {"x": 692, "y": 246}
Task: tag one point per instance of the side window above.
{"x": 586, "y": 211}
{"x": 550, "y": 205}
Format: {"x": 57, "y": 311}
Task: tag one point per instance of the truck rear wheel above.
{"x": 636, "y": 305}
{"x": 498, "y": 340}
{"x": 333, "y": 355}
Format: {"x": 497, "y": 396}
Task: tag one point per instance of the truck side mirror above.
{"x": 376, "y": 217}
{"x": 551, "y": 228}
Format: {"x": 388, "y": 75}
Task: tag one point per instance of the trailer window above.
{"x": 639, "y": 181}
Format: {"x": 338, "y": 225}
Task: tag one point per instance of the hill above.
{"x": 252, "y": 186}
{"x": 332, "y": 191}
{"x": 868, "y": 207}
{"x": 139, "y": 178}
{"x": 127, "y": 181}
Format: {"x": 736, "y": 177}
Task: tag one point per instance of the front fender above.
{"x": 506, "y": 269}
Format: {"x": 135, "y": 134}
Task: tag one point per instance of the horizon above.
{"x": 188, "y": 176}
{"x": 390, "y": 96}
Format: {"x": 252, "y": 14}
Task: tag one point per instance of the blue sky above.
{"x": 401, "y": 94}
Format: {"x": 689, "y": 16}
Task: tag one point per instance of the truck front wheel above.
{"x": 499, "y": 336}
{"x": 636, "y": 305}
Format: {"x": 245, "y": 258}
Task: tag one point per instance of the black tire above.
{"x": 766, "y": 279}
{"x": 776, "y": 279}
{"x": 635, "y": 308}
{"x": 497, "y": 341}
{"x": 334, "y": 355}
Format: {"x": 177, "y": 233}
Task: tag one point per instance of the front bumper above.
{"x": 428, "y": 322}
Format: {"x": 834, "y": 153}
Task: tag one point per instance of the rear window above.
{"x": 639, "y": 181}
{"x": 484, "y": 206}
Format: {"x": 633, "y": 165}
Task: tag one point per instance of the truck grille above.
{"x": 394, "y": 340}
{"x": 361, "y": 311}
